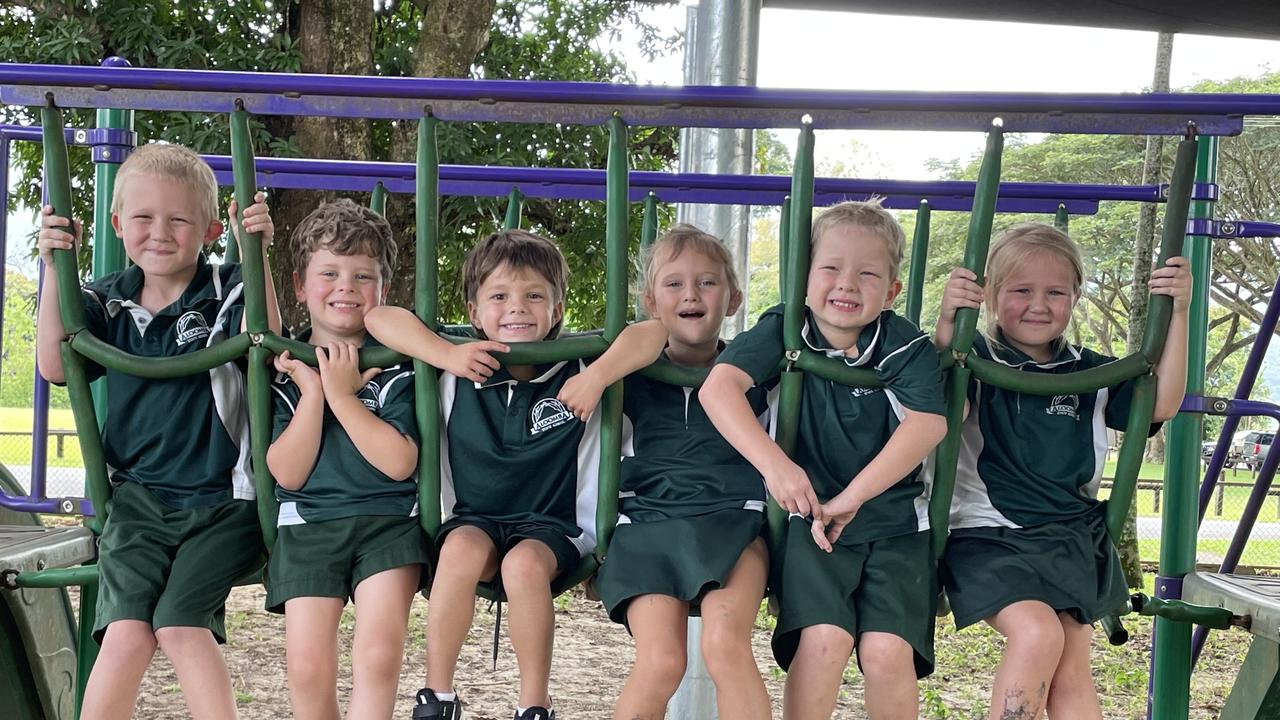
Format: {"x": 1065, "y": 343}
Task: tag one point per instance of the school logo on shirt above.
{"x": 862, "y": 391}
{"x": 375, "y": 392}
{"x": 546, "y": 414}
{"x": 192, "y": 328}
{"x": 1067, "y": 405}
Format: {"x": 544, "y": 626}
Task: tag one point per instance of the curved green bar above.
{"x": 798, "y": 241}
{"x": 379, "y": 357}
{"x": 515, "y": 206}
{"x": 1211, "y": 617}
{"x": 251, "y": 267}
{"x": 610, "y": 467}
{"x": 1129, "y": 461}
{"x": 426, "y": 388}
{"x": 784, "y": 240}
{"x": 1084, "y": 381}
{"x": 1062, "y": 219}
{"x": 919, "y": 258}
{"x": 836, "y": 370}
{"x": 648, "y": 235}
{"x": 57, "y": 183}
{"x": 1160, "y": 307}
{"x": 1115, "y": 630}
{"x": 259, "y": 389}
{"x": 378, "y": 199}
{"x": 663, "y": 370}
{"x": 89, "y": 432}
{"x": 790, "y": 383}
{"x": 617, "y": 207}
{"x": 945, "y": 459}
{"x": 979, "y": 239}
{"x": 59, "y": 577}
{"x": 160, "y": 368}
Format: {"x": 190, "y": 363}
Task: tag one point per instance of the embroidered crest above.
{"x": 548, "y": 413}
{"x": 192, "y": 328}
{"x": 374, "y": 391}
{"x": 1067, "y": 405}
{"x": 862, "y": 391}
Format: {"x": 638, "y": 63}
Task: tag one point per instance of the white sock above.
{"x": 446, "y": 697}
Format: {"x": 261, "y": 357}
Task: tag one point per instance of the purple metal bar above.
{"x": 4, "y": 227}
{"x": 1232, "y": 228}
{"x": 40, "y": 426}
{"x": 594, "y": 103}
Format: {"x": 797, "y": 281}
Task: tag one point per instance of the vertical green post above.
{"x": 246, "y": 179}
{"x": 1171, "y": 679}
{"x": 425, "y": 303}
{"x": 108, "y": 250}
{"x": 1062, "y": 219}
{"x": 617, "y": 191}
{"x": 979, "y": 238}
{"x": 798, "y": 239}
{"x": 648, "y": 234}
{"x": 515, "y": 203}
{"x": 784, "y": 238}
{"x": 259, "y": 400}
{"x": 919, "y": 257}
{"x": 378, "y": 199}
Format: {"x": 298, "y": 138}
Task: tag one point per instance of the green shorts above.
{"x": 330, "y": 558}
{"x": 887, "y": 586}
{"x": 1071, "y": 566}
{"x": 506, "y": 535}
{"x": 679, "y": 557}
{"x": 170, "y": 567}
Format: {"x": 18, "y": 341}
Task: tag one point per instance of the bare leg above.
{"x": 888, "y": 664}
{"x": 526, "y": 576}
{"x": 814, "y": 679}
{"x": 112, "y": 690}
{"x": 468, "y": 556}
{"x": 658, "y": 624}
{"x": 728, "y": 614}
{"x": 311, "y": 652}
{"x": 202, "y": 673}
{"x": 382, "y": 617}
{"x": 1072, "y": 693}
{"x": 1032, "y": 653}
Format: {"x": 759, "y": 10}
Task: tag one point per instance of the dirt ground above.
{"x": 592, "y": 657}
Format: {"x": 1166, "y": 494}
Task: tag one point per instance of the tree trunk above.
{"x": 1143, "y": 243}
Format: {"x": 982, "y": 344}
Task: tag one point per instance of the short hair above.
{"x": 176, "y": 162}
{"x": 344, "y": 228}
{"x": 519, "y": 250}
{"x": 869, "y": 215}
{"x": 674, "y": 242}
{"x": 1013, "y": 247}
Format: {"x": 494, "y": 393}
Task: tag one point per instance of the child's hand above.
{"x": 962, "y": 291}
{"x": 825, "y": 533}
{"x": 307, "y": 379}
{"x": 790, "y": 486}
{"x": 581, "y": 394}
{"x": 1174, "y": 279}
{"x": 54, "y": 236}
{"x": 257, "y": 219}
{"x": 472, "y": 360}
{"x": 340, "y": 370}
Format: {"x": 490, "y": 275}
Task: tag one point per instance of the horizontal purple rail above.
{"x": 594, "y": 103}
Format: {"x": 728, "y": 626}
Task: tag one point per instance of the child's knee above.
{"x": 129, "y": 638}
{"x": 529, "y": 565}
{"x": 661, "y": 667}
{"x": 466, "y": 552}
{"x": 379, "y": 660}
{"x": 882, "y": 655}
{"x": 312, "y": 672}
{"x": 1035, "y": 639}
{"x": 725, "y": 647}
{"x": 183, "y": 641}
{"x": 825, "y": 644}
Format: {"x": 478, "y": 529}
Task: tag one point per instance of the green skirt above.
{"x": 679, "y": 557}
{"x": 1071, "y": 566}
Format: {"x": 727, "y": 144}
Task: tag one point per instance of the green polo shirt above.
{"x": 1032, "y": 459}
{"x": 675, "y": 463}
{"x": 184, "y": 439}
{"x": 843, "y": 428}
{"x": 343, "y": 483}
{"x": 513, "y": 453}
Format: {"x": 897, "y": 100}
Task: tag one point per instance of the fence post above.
{"x": 1217, "y": 502}
{"x": 1155, "y": 505}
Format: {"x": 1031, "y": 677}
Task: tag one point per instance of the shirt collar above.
{"x": 1015, "y": 358}
{"x": 502, "y": 376}
{"x": 128, "y": 286}
{"x": 867, "y": 341}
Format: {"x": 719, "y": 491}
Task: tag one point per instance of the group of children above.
{"x": 1028, "y": 552}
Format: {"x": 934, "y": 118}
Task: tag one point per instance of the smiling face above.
{"x": 691, "y": 295}
{"x": 850, "y": 282}
{"x": 1034, "y": 301}
{"x": 338, "y": 290}
{"x": 164, "y": 225}
{"x": 515, "y": 304}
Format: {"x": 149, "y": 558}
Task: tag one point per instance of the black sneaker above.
{"x": 430, "y": 707}
{"x": 535, "y": 713}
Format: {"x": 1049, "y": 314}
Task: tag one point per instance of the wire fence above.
{"x": 64, "y": 475}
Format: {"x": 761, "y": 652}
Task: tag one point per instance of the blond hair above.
{"x": 1014, "y": 247}
{"x": 174, "y": 162}
{"x": 344, "y": 228}
{"x": 518, "y": 250}
{"x": 868, "y": 215}
{"x": 677, "y": 240}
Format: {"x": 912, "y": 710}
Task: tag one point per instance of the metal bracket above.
{"x": 1205, "y": 405}
{"x": 1168, "y": 588}
{"x": 255, "y": 338}
{"x": 9, "y": 579}
{"x": 960, "y": 358}
{"x": 792, "y": 357}
{"x": 1232, "y": 228}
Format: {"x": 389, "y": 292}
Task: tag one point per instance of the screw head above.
{"x": 81, "y": 136}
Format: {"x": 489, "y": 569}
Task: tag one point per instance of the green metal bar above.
{"x": 86, "y": 648}
{"x": 1132, "y": 449}
{"x": 1172, "y": 664}
{"x": 1215, "y": 618}
{"x": 648, "y": 234}
{"x": 837, "y": 371}
{"x": 610, "y": 467}
{"x": 251, "y": 268}
{"x": 1160, "y": 307}
{"x": 87, "y": 428}
{"x": 979, "y": 239}
{"x": 260, "y": 441}
{"x": 58, "y": 577}
{"x": 1008, "y": 378}
{"x": 790, "y": 384}
{"x": 1062, "y": 219}
{"x": 798, "y": 240}
{"x": 515, "y": 206}
{"x": 617, "y": 207}
{"x": 57, "y": 179}
{"x": 426, "y": 388}
{"x": 108, "y": 250}
{"x": 663, "y": 370}
{"x": 948, "y": 454}
{"x": 160, "y": 368}
{"x": 378, "y": 199}
{"x": 784, "y": 241}
{"x": 919, "y": 257}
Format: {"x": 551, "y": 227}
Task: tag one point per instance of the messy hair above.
{"x": 518, "y": 250}
{"x": 1014, "y": 247}
{"x": 344, "y": 228}
{"x": 869, "y": 215}
{"x": 677, "y": 240}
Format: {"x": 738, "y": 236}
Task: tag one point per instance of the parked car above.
{"x": 1253, "y": 448}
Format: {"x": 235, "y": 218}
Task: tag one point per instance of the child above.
{"x": 344, "y": 454}
{"x": 858, "y": 453}
{"x": 691, "y": 509}
{"x": 1028, "y": 550}
{"x": 518, "y": 471}
{"x": 183, "y": 526}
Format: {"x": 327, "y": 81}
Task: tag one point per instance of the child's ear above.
{"x": 650, "y": 303}
{"x": 472, "y": 316}
{"x": 735, "y": 302}
{"x": 115, "y": 224}
{"x": 558, "y": 314}
{"x": 214, "y": 232}
{"x": 299, "y": 293}
{"x": 894, "y": 290}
